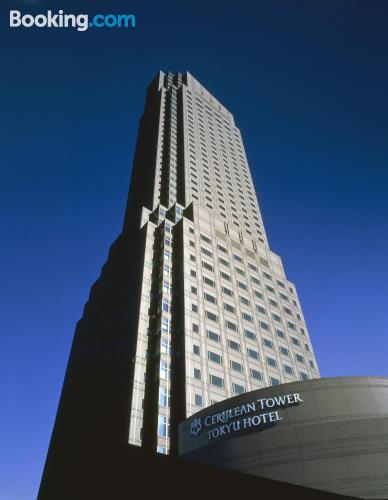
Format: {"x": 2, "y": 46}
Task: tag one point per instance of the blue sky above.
{"x": 307, "y": 83}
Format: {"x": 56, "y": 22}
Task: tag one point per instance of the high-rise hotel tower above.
{"x": 192, "y": 306}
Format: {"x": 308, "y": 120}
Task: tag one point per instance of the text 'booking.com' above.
{"x": 81, "y": 22}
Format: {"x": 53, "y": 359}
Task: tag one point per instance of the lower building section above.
{"x": 330, "y": 434}
{"x": 129, "y": 472}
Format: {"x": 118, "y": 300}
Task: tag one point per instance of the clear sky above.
{"x": 307, "y": 83}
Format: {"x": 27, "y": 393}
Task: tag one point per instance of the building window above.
{"x": 229, "y": 308}
{"x": 234, "y": 345}
{"x": 288, "y": 369}
{"x": 252, "y": 353}
{"x": 274, "y": 381}
{"x": 207, "y": 252}
{"x": 196, "y": 349}
{"x": 210, "y": 298}
{"x": 165, "y": 325}
{"x": 165, "y": 346}
{"x": 299, "y": 358}
{"x": 198, "y": 400}
{"x": 165, "y": 372}
{"x": 261, "y": 309}
{"x": 238, "y": 389}
{"x": 250, "y": 335}
{"x": 195, "y": 328}
{"x": 244, "y": 301}
{"x": 207, "y": 266}
{"x": 236, "y": 366}
{"x": 284, "y": 351}
{"x": 209, "y": 281}
{"x": 232, "y": 326}
{"x": 303, "y": 376}
{"x": 205, "y": 238}
{"x": 256, "y": 375}
{"x": 213, "y": 336}
{"x": 264, "y": 325}
{"x": 271, "y": 362}
{"x": 164, "y": 396}
{"x": 238, "y": 258}
{"x": 211, "y": 316}
{"x": 197, "y": 373}
{"x": 240, "y": 271}
{"x": 216, "y": 381}
{"x": 216, "y": 358}
{"x": 163, "y": 426}
{"x": 247, "y": 317}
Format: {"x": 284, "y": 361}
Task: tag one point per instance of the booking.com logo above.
{"x": 79, "y": 21}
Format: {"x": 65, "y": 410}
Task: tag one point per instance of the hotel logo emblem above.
{"x": 196, "y": 426}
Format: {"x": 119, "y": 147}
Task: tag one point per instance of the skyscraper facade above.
{"x": 189, "y": 329}
{"x": 192, "y": 306}
{"x": 218, "y": 287}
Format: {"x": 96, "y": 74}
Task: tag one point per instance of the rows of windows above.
{"x": 218, "y": 381}
{"x": 233, "y": 261}
{"x": 210, "y": 142}
{"x": 244, "y": 288}
{"x": 252, "y": 353}
{"x": 248, "y": 318}
{"x": 245, "y": 316}
{"x": 251, "y": 335}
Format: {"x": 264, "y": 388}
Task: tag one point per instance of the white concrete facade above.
{"x": 244, "y": 327}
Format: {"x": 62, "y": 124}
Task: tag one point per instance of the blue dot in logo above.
{"x": 90, "y": 25}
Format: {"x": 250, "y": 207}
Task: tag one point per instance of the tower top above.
{"x": 168, "y": 79}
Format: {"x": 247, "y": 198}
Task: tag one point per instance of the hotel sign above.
{"x": 258, "y": 413}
